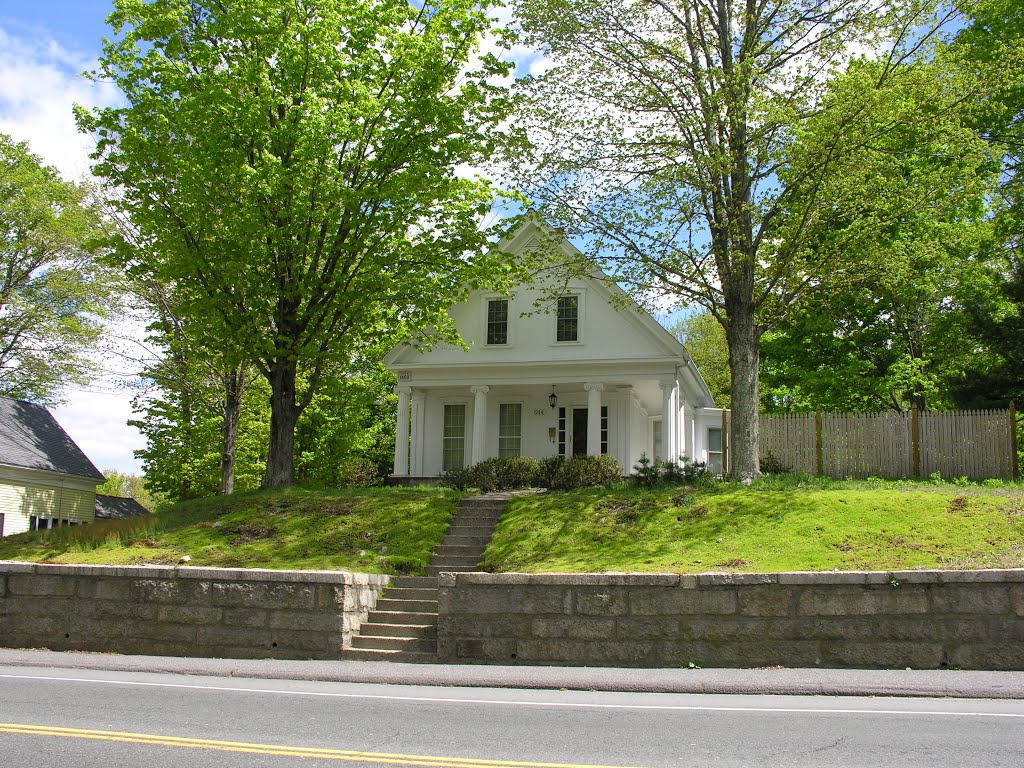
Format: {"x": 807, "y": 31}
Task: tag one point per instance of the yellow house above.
{"x": 45, "y": 478}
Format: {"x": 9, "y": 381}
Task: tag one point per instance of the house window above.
{"x": 39, "y": 523}
{"x": 657, "y": 434}
{"x": 604, "y": 429}
{"x": 1, "y": 524}
{"x": 510, "y": 429}
{"x": 497, "y": 321}
{"x": 568, "y": 319}
{"x": 453, "y": 454}
{"x": 715, "y": 450}
{"x": 561, "y": 431}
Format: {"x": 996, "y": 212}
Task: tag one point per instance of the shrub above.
{"x": 359, "y": 473}
{"x": 770, "y": 464}
{"x": 648, "y": 474}
{"x": 583, "y": 471}
{"x": 547, "y": 469}
{"x": 495, "y": 474}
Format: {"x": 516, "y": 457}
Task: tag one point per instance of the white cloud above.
{"x": 40, "y": 82}
{"x": 97, "y": 421}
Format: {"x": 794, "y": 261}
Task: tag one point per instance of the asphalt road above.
{"x": 62, "y": 717}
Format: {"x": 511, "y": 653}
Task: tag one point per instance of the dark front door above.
{"x": 579, "y": 431}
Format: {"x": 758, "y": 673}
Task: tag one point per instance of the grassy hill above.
{"x": 787, "y": 523}
{"x": 375, "y": 530}
{"x": 775, "y": 525}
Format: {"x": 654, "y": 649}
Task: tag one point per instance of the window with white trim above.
{"x": 497, "y": 322}
{"x": 658, "y": 435}
{"x": 453, "y": 452}
{"x": 715, "y": 450}
{"x": 510, "y": 430}
{"x": 567, "y": 318}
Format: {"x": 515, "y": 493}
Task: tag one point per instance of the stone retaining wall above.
{"x": 920, "y": 619}
{"x": 183, "y": 611}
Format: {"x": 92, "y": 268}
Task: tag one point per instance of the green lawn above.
{"x": 776, "y": 525}
{"x": 376, "y": 530}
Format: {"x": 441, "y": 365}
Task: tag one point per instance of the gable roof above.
{"x": 117, "y": 507}
{"x": 533, "y": 234}
{"x": 31, "y": 438}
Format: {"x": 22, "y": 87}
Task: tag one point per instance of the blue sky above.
{"x": 44, "y": 46}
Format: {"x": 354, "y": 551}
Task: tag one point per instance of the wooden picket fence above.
{"x": 972, "y": 443}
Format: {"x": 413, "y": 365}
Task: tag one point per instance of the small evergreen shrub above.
{"x": 770, "y": 464}
{"x": 651, "y": 474}
{"x": 584, "y": 471}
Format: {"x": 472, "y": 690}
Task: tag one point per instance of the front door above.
{"x": 579, "y": 431}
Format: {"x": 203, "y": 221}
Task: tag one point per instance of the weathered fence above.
{"x": 974, "y": 443}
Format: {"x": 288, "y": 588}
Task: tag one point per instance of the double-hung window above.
{"x": 497, "y": 321}
{"x": 715, "y": 452}
{"x": 510, "y": 430}
{"x": 453, "y": 453}
{"x": 567, "y": 320}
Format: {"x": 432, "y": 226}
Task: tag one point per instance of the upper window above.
{"x": 567, "y": 323}
{"x": 497, "y": 321}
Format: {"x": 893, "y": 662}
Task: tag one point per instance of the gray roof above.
{"x": 30, "y": 437}
{"x": 117, "y": 507}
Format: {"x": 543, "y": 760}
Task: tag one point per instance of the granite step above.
{"x": 369, "y": 642}
{"x": 433, "y": 570}
{"x": 406, "y": 657}
{"x": 406, "y": 606}
{"x": 422, "y": 631}
{"x": 400, "y": 617}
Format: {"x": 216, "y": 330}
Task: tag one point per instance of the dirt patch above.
{"x": 247, "y": 533}
{"x": 958, "y": 504}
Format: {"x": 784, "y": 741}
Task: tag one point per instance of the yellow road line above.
{"x": 275, "y": 749}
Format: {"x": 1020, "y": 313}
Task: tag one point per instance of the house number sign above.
{"x": 538, "y": 411}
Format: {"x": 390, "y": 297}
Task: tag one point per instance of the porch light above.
{"x": 553, "y": 398}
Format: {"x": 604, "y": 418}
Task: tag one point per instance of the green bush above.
{"x": 359, "y": 473}
{"x": 495, "y": 474}
{"x": 548, "y": 468}
{"x": 652, "y": 474}
{"x": 583, "y": 471}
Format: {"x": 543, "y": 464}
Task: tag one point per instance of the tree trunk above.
{"x": 284, "y": 414}
{"x": 185, "y": 493}
{"x": 234, "y": 386}
{"x": 744, "y": 363}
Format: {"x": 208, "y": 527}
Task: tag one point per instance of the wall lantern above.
{"x": 553, "y": 398}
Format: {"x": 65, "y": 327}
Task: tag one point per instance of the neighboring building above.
{"x": 45, "y": 479}
{"x": 587, "y": 373}
{"x": 118, "y": 507}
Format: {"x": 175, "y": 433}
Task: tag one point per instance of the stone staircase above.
{"x": 403, "y": 624}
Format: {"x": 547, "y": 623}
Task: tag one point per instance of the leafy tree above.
{"x": 894, "y": 339}
{"x": 53, "y": 294}
{"x": 676, "y": 132}
{"x": 127, "y": 486}
{"x": 291, "y": 166}
{"x": 705, "y": 341}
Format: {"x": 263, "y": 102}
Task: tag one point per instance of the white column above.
{"x": 684, "y": 412}
{"x": 418, "y": 416}
{"x": 479, "y": 422}
{"x": 668, "y": 420}
{"x": 402, "y": 432}
{"x": 594, "y": 418}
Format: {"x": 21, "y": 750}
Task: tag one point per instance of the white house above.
{"x": 585, "y": 374}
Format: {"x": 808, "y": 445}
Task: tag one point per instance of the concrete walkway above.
{"x": 827, "y": 682}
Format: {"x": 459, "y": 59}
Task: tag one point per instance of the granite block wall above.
{"x": 919, "y": 619}
{"x": 218, "y": 612}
